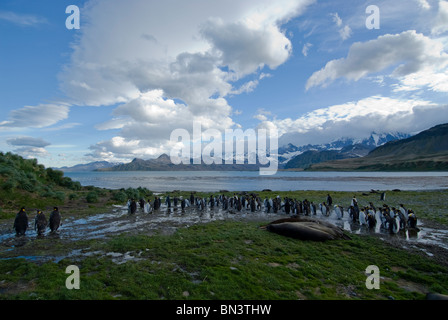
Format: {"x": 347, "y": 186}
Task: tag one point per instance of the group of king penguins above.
{"x": 40, "y": 222}
{"x": 390, "y": 218}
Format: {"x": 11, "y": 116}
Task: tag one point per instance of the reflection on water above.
{"x": 167, "y": 221}
{"x": 421, "y": 234}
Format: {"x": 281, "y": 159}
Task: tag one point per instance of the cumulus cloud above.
{"x": 441, "y": 22}
{"x": 359, "y": 119}
{"x": 146, "y": 124}
{"x": 150, "y": 46}
{"x": 168, "y": 67}
{"x": 43, "y": 115}
{"x": 409, "y": 51}
{"x": 245, "y": 49}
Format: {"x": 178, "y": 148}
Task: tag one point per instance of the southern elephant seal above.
{"x": 436, "y": 296}
{"x": 307, "y": 229}
{"x": 300, "y": 231}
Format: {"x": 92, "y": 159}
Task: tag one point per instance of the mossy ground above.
{"x": 217, "y": 260}
{"x": 228, "y": 260}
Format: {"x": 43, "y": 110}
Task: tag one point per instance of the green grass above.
{"x": 229, "y": 260}
{"x": 218, "y": 260}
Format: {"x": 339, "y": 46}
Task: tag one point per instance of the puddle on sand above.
{"x": 167, "y": 221}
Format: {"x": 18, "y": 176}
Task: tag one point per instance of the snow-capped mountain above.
{"x": 359, "y": 147}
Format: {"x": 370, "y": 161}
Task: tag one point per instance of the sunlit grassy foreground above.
{"x": 229, "y": 260}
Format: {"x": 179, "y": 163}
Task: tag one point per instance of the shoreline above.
{"x": 214, "y": 181}
{"x": 194, "y": 251}
{"x": 235, "y": 248}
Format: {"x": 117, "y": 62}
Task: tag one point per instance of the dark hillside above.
{"x": 426, "y": 151}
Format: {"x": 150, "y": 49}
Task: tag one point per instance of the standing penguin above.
{"x": 412, "y": 219}
{"x": 168, "y": 201}
{"x": 40, "y": 223}
{"x": 287, "y": 206}
{"x": 329, "y": 200}
{"x": 148, "y": 208}
{"x": 339, "y": 212}
{"x": 21, "y": 222}
{"x": 182, "y": 203}
{"x": 252, "y": 205}
{"x": 362, "y": 217}
{"x": 323, "y": 208}
{"x": 371, "y": 220}
{"x": 133, "y": 206}
{"x": 55, "y": 219}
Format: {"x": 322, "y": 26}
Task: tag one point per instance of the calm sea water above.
{"x": 214, "y": 181}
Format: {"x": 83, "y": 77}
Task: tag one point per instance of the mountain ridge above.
{"x": 290, "y": 157}
{"x": 425, "y": 151}
{"x": 163, "y": 163}
{"x": 91, "y": 166}
{"x": 343, "y": 148}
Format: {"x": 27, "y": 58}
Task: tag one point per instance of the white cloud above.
{"x": 265, "y": 75}
{"x": 424, "y": 4}
{"x": 43, "y": 115}
{"x": 32, "y": 152}
{"x": 306, "y": 48}
{"x": 22, "y": 19}
{"x": 169, "y": 67}
{"x": 344, "y": 31}
{"x": 337, "y": 19}
{"x": 441, "y": 21}
{"x": 188, "y": 48}
{"x": 359, "y": 119}
{"x": 28, "y": 141}
{"x": 63, "y": 126}
{"x": 245, "y": 49}
{"x": 435, "y": 81}
{"x": 146, "y": 124}
{"x": 246, "y": 87}
{"x": 408, "y": 51}
{"x": 262, "y": 115}
{"x": 29, "y": 147}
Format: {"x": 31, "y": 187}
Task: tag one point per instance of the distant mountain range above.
{"x": 163, "y": 163}
{"x": 92, "y": 166}
{"x": 292, "y": 157}
{"x": 308, "y": 158}
{"x": 425, "y": 151}
{"x": 287, "y": 152}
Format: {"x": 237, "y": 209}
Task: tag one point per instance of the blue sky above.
{"x": 136, "y": 70}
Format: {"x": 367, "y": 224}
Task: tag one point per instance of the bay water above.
{"x": 215, "y": 181}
